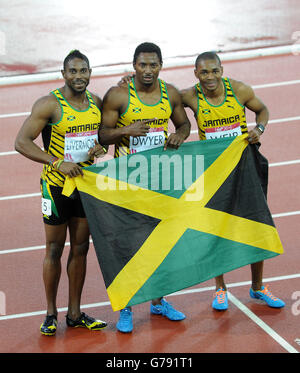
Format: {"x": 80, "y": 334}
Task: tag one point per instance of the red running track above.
{"x": 257, "y": 330}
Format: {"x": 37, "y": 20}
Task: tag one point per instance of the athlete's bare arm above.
{"x": 246, "y": 96}
{"x": 44, "y": 110}
{"x": 97, "y": 150}
{"x": 114, "y": 104}
{"x": 179, "y": 119}
{"x": 189, "y": 99}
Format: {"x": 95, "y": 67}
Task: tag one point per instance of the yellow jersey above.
{"x": 138, "y": 110}
{"x": 71, "y": 137}
{"x": 224, "y": 120}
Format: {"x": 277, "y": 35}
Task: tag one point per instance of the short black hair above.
{"x": 147, "y": 48}
{"x": 207, "y": 56}
{"x": 75, "y": 53}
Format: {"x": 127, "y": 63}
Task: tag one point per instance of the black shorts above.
{"x": 57, "y": 208}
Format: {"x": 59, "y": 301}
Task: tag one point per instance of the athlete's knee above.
{"x": 80, "y": 248}
{"x": 55, "y": 240}
{"x": 54, "y": 250}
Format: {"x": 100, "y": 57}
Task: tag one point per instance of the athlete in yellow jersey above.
{"x": 68, "y": 119}
{"x": 219, "y": 107}
{"x": 135, "y": 118}
{"x": 219, "y": 121}
{"x": 138, "y": 110}
{"x": 71, "y": 137}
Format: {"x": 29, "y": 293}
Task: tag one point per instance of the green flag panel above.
{"x": 153, "y": 240}
{"x": 197, "y": 257}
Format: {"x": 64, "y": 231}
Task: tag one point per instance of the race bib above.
{"x": 46, "y": 207}
{"x": 154, "y": 139}
{"x": 225, "y": 131}
{"x": 77, "y": 146}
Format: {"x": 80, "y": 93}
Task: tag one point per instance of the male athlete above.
{"x": 132, "y": 115}
{"x": 68, "y": 119}
{"x": 219, "y": 107}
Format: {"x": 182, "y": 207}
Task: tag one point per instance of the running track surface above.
{"x": 247, "y": 326}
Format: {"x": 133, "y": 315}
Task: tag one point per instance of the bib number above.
{"x": 46, "y": 207}
{"x": 222, "y": 132}
{"x": 77, "y": 146}
{"x": 154, "y": 139}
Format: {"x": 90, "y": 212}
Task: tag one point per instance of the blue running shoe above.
{"x": 265, "y": 295}
{"x": 166, "y": 309}
{"x": 220, "y": 302}
{"x": 125, "y": 324}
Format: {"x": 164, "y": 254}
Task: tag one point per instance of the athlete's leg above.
{"x": 257, "y": 275}
{"x": 76, "y": 268}
{"x": 220, "y": 282}
{"x": 156, "y": 301}
{"x": 220, "y": 301}
{"x": 55, "y": 241}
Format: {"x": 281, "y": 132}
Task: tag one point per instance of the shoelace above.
{"x": 268, "y": 293}
{"x": 126, "y": 313}
{"x": 87, "y": 318}
{"x": 166, "y": 307}
{"x": 220, "y": 294}
{"x": 83, "y": 318}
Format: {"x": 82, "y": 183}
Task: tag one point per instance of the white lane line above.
{"x": 285, "y": 163}
{"x": 30, "y": 248}
{"x": 257, "y": 86}
{"x": 177, "y": 62}
{"x": 29, "y": 195}
{"x": 182, "y": 292}
{"x": 283, "y": 214}
{"x": 237, "y": 284}
{"x": 276, "y": 84}
{"x": 12, "y": 115}
{"x": 41, "y": 247}
{"x": 266, "y": 328}
{"x": 12, "y": 152}
{"x": 63, "y": 309}
{"x": 272, "y": 121}
{"x": 17, "y": 196}
{"x": 252, "y": 124}
{"x": 279, "y": 120}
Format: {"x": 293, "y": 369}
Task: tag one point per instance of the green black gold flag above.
{"x": 162, "y": 221}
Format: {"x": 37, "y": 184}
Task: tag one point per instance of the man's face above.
{"x": 147, "y": 67}
{"x": 77, "y": 75}
{"x": 209, "y": 73}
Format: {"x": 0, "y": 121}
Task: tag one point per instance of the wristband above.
{"x": 261, "y": 128}
{"x": 57, "y": 163}
{"x": 52, "y": 161}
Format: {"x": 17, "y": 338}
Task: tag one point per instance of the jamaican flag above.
{"x": 162, "y": 221}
